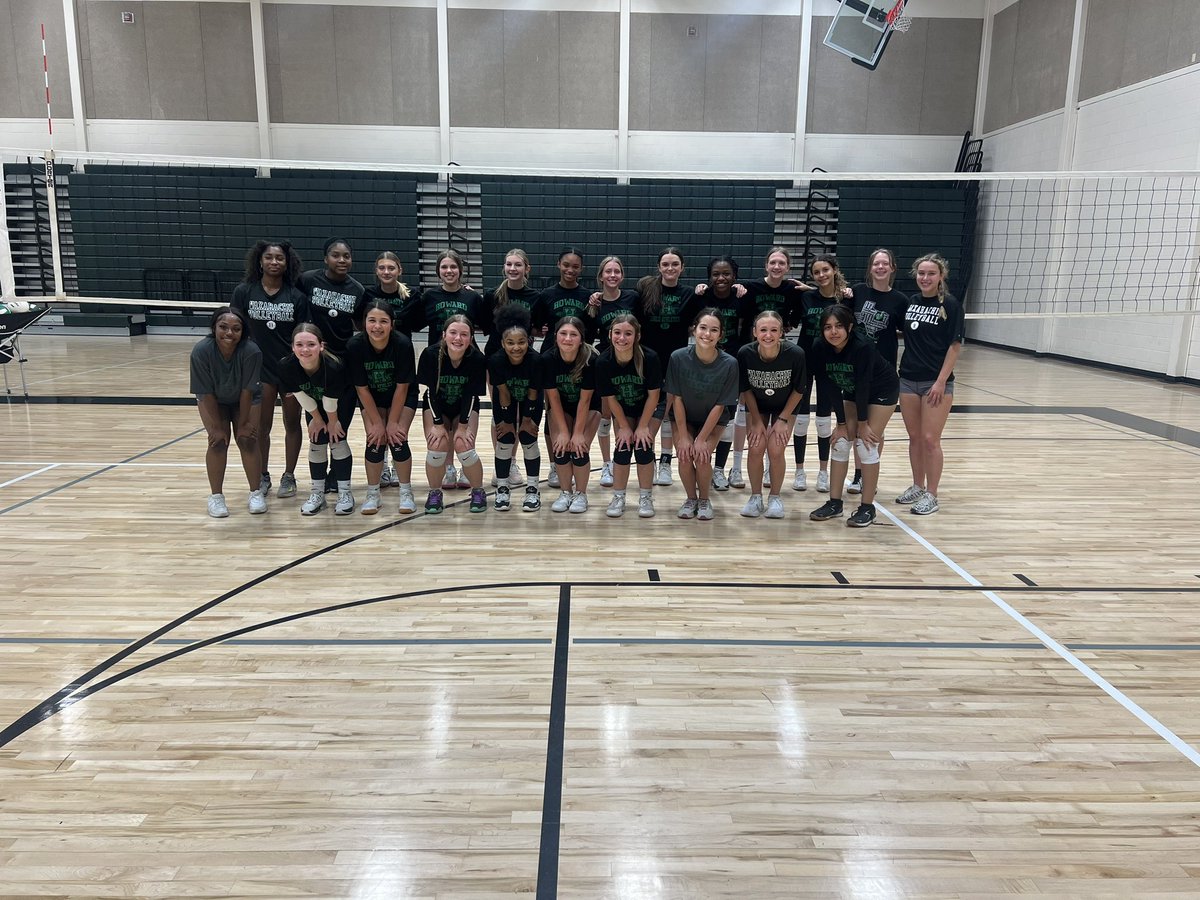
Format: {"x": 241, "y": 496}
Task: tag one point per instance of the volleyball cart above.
{"x": 12, "y": 324}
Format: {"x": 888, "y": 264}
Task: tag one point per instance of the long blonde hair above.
{"x": 943, "y": 271}
{"x": 586, "y": 350}
{"x": 501, "y": 293}
{"x": 401, "y": 288}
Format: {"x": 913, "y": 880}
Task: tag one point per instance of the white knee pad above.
{"x": 727, "y": 434}
{"x": 665, "y": 431}
{"x": 503, "y": 450}
{"x": 800, "y": 429}
{"x": 739, "y": 417}
{"x": 824, "y": 426}
{"x": 469, "y": 458}
{"x": 840, "y": 451}
{"x": 340, "y": 449}
{"x": 531, "y": 451}
{"x": 436, "y": 458}
{"x": 605, "y": 428}
{"x": 318, "y": 453}
{"x": 868, "y": 456}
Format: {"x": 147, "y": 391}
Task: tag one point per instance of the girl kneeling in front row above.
{"x": 516, "y": 375}
{"x": 454, "y": 374}
{"x": 630, "y": 380}
{"x": 319, "y": 380}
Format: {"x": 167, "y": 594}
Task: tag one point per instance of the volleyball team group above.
{"x": 706, "y": 375}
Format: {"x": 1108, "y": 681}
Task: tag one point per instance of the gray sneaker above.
{"x": 774, "y": 507}
{"x": 371, "y": 504}
{"x": 704, "y": 511}
{"x": 616, "y": 507}
{"x": 287, "y": 486}
{"x": 264, "y": 483}
{"x": 687, "y": 509}
{"x": 720, "y": 481}
{"x": 754, "y": 507}
{"x": 911, "y": 495}
{"x": 926, "y": 505}
{"x": 646, "y": 507}
{"x": 345, "y": 504}
{"x": 736, "y": 478}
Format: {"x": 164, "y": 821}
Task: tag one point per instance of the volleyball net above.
{"x": 139, "y": 232}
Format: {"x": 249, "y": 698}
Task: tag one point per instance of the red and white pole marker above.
{"x": 46, "y": 78}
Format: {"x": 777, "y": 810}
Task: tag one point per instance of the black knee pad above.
{"x": 526, "y": 438}
{"x": 374, "y": 453}
{"x": 562, "y": 459}
{"x": 509, "y": 438}
{"x": 401, "y": 453}
{"x": 643, "y": 455}
{"x": 582, "y": 459}
{"x": 622, "y": 456}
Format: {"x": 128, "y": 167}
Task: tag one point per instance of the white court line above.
{"x": 30, "y": 474}
{"x": 1083, "y": 668}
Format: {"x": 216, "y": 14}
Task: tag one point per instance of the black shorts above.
{"x": 889, "y": 399}
{"x": 508, "y": 415}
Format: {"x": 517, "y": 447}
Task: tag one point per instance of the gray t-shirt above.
{"x": 702, "y": 386}
{"x": 224, "y": 378}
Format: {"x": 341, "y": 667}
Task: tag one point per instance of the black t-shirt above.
{"x": 381, "y": 370}
{"x": 760, "y": 296}
{"x": 609, "y": 310}
{"x": 400, "y": 306}
{"x": 812, "y": 304}
{"x": 437, "y": 305}
{"x": 665, "y": 328}
{"x": 331, "y": 306}
{"x": 771, "y": 380}
{"x": 555, "y": 302}
{"x": 927, "y": 338}
{"x": 623, "y": 383}
{"x": 518, "y": 379}
{"x": 880, "y": 315}
{"x": 729, "y": 309}
{"x": 526, "y": 297}
{"x": 273, "y": 317}
{"x": 452, "y": 392}
{"x": 556, "y": 375}
{"x": 858, "y": 372}
{"x": 332, "y": 379}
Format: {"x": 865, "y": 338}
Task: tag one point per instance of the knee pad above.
{"x": 801, "y": 427}
{"x": 471, "y": 457}
{"x": 739, "y": 417}
{"x": 509, "y": 439}
{"x": 562, "y": 459}
{"x": 401, "y": 453}
{"x": 727, "y": 434}
{"x": 318, "y": 453}
{"x": 340, "y": 449}
{"x": 605, "y": 428}
{"x": 622, "y": 456}
{"x": 868, "y": 456}
{"x": 436, "y": 458}
{"x": 582, "y": 459}
{"x": 824, "y": 426}
{"x": 840, "y": 451}
{"x": 373, "y": 454}
{"x": 643, "y": 455}
{"x": 665, "y": 431}
{"x": 527, "y": 439}
{"x": 504, "y": 448}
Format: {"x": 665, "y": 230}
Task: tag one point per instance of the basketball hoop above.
{"x": 902, "y": 24}
{"x": 896, "y": 20}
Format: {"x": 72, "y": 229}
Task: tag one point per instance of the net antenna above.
{"x": 861, "y": 28}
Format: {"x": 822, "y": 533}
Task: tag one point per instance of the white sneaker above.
{"x": 371, "y": 504}
{"x": 854, "y": 486}
{"x": 646, "y": 507}
{"x": 926, "y": 505}
{"x": 563, "y": 503}
{"x": 704, "y": 511}
{"x": 450, "y": 479}
{"x": 687, "y": 509}
{"x": 801, "y": 482}
{"x": 345, "y": 504}
{"x": 314, "y": 504}
{"x": 754, "y": 507}
{"x": 774, "y": 507}
{"x": 606, "y": 475}
{"x": 257, "y": 503}
{"x": 823, "y": 482}
{"x": 408, "y": 503}
{"x": 911, "y": 495}
{"x": 552, "y": 479}
{"x": 579, "y": 503}
{"x": 662, "y": 474}
{"x": 720, "y": 481}
{"x": 216, "y": 506}
{"x": 736, "y": 479}
{"x": 516, "y": 478}
{"x": 616, "y": 507}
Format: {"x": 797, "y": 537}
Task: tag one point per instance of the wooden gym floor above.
{"x": 984, "y": 702}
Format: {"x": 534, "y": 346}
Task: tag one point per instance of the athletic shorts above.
{"x": 921, "y": 388}
{"x": 877, "y": 400}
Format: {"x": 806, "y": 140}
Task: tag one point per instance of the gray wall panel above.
{"x": 414, "y": 67}
{"x": 228, "y": 62}
{"x": 175, "y": 61}
{"x": 952, "y": 51}
{"x": 731, "y": 73}
{"x": 1103, "y": 47}
{"x": 998, "y": 108}
{"x": 362, "y": 41}
{"x": 531, "y": 69}
{"x": 589, "y": 48}
{"x": 778, "y": 65}
{"x": 307, "y": 80}
{"x": 676, "y": 70}
{"x": 11, "y": 95}
{"x": 837, "y": 88}
{"x": 1183, "y": 41}
{"x": 639, "y": 74}
{"x": 22, "y": 81}
{"x": 1043, "y": 51}
{"x": 120, "y": 76}
{"x": 85, "y": 61}
{"x": 894, "y": 89}
{"x": 1125, "y": 43}
{"x": 271, "y": 50}
{"x": 477, "y": 86}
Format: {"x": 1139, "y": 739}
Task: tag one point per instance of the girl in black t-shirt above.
{"x": 603, "y": 307}
{"x": 389, "y": 287}
{"x": 381, "y": 366}
{"x": 567, "y": 298}
{"x": 320, "y": 382}
{"x": 722, "y": 275}
{"x": 864, "y": 388}
{"x": 569, "y": 379}
{"x": 333, "y": 294}
{"x": 516, "y": 376}
{"x": 933, "y": 338}
{"x": 454, "y": 375}
{"x": 269, "y": 296}
{"x": 831, "y": 287}
{"x": 629, "y": 377}
{"x": 514, "y": 290}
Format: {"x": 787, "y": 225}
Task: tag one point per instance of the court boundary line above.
{"x": 1184, "y": 748}
{"x": 30, "y": 475}
{"x": 550, "y": 837}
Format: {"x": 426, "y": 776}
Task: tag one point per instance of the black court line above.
{"x": 840, "y": 578}
{"x": 296, "y": 642}
{"x": 547, "y": 877}
{"x": 62, "y": 487}
{"x": 654, "y": 576}
{"x": 1022, "y": 578}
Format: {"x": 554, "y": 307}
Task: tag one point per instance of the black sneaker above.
{"x": 831, "y": 509}
{"x": 503, "y": 497}
{"x": 863, "y": 516}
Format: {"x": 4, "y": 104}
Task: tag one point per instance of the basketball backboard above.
{"x": 861, "y": 29}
